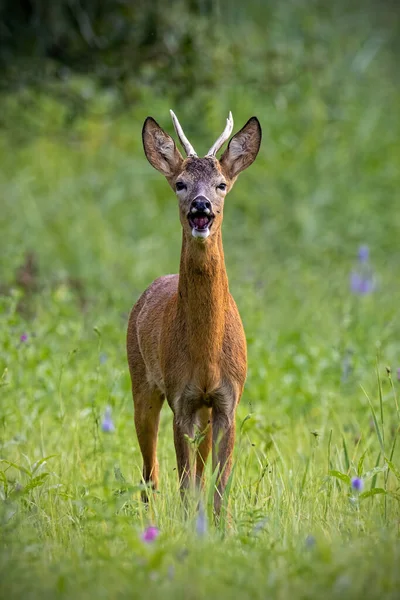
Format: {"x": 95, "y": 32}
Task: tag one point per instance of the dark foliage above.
{"x": 186, "y": 48}
{"x": 110, "y": 40}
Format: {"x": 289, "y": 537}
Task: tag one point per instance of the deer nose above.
{"x": 200, "y": 204}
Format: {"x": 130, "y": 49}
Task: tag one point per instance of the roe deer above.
{"x": 185, "y": 339}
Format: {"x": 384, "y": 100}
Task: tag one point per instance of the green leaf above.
{"x": 18, "y": 467}
{"x": 372, "y": 492}
{"x": 304, "y": 478}
{"x": 378, "y": 431}
{"x": 346, "y": 454}
{"x": 3, "y": 380}
{"x": 341, "y": 476}
{"x": 394, "y": 442}
{"x": 373, "y": 472}
{"x": 37, "y": 464}
{"x": 225, "y": 500}
{"x": 361, "y": 464}
{"x": 380, "y": 399}
{"x": 329, "y": 448}
{"x": 156, "y": 558}
{"x": 3, "y": 478}
{"x": 393, "y": 468}
{"x": 247, "y": 417}
{"x": 211, "y": 490}
{"x": 36, "y": 482}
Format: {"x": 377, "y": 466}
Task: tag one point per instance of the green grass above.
{"x": 102, "y": 224}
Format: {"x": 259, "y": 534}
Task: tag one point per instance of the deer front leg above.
{"x": 147, "y": 417}
{"x": 223, "y": 433}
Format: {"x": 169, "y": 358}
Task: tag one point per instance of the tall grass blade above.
{"x": 377, "y": 428}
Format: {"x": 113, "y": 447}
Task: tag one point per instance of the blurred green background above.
{"x": 77, "y": 192}
{"x": 86, "y": 224}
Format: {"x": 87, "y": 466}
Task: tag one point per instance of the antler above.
{"x": 187, "y": 146}
{"x": 223, "y": 137}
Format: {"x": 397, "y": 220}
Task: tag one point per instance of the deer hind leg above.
{"x": 183, "y": 430}
{"x": 147, "y": 401}
{"x": 205, "y": 428}
{"x": 148, "y": 405}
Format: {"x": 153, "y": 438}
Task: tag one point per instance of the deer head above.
{"x": 201, "y": 184}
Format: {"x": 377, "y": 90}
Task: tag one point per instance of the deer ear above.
{"x": 160, "y": 149}
{"x": 242, "y": 149}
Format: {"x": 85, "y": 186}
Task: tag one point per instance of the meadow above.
{"x": 311, "y": 239}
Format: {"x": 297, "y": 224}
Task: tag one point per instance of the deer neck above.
{"x": 203, "y": 297}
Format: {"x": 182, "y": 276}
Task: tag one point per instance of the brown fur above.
{"x": 185, "y": 339}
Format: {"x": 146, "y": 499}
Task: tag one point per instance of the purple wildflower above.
{"x": 107, "y": 424}
{"x": 24, "y": 337}
{"x": 347, "y": 365}
{"x": 103, "y": 358}
{"x": 398, "y": 374}
{"x": 362, "y": 284}
{"x": 150, "y": 534}
{"x": 357, "y": 484}
{"x": 310, "y": 541}
{"x": 260, "y": 526}
{"x": 201, "y": 522}
{"x": 362, "y": 280}
{"x": 363, "y": 253}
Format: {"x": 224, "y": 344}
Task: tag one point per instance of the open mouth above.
{"x": 200, "y": 222}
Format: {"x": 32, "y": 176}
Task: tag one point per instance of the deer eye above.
{"x": 180, "y": 186}
{"x": 221, "y": 186}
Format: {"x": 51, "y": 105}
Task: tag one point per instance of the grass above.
{"x": 321, "y": 404}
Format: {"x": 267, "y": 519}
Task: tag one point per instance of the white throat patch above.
{"x": 203, "y": 234}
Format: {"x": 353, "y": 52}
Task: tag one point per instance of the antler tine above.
{"x": 223, "y": 137}
{"x": 187, "y": 146}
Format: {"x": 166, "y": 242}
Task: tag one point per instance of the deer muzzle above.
{"x": 200, "y": 217}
